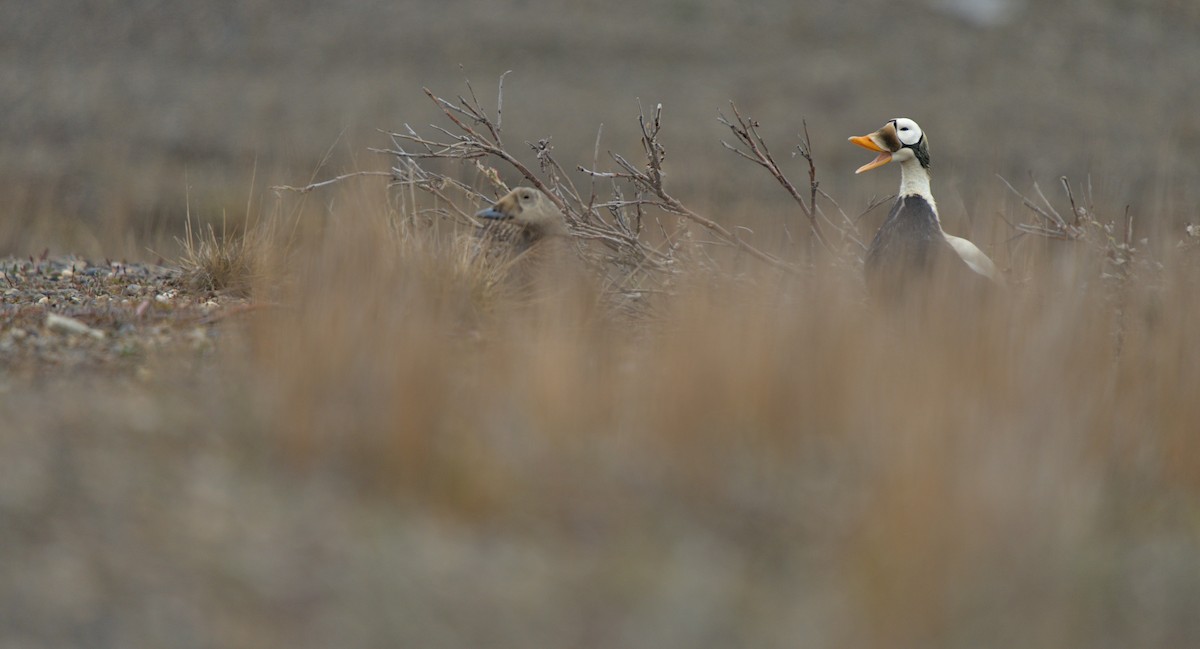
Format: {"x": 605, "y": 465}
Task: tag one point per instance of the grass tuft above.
{"x": 226, "y": 263}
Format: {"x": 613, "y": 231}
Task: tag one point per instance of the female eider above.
{"x": 911, "y": 240}
{"x": 524, "y": 236}
{"x": 522, "y": 218}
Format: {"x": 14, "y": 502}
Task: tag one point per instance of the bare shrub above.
{"x": 638, "y": 238}
{"x": 1111, "y": 260}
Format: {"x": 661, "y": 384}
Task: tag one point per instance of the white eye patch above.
{"x": 908, "y": 131}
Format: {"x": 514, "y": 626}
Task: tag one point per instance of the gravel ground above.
{"x": 67, "y": 314}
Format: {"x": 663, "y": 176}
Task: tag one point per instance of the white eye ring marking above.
{"x": 908, "y": 131}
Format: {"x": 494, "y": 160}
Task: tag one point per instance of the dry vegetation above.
{"x": 392, "y": 453}
{"x": 341, "y": 429}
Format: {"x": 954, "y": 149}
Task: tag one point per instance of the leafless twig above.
{"x": 754, "y": 148}
{"x": 325, "y": 183}
{"x": 649, "y": 178}
{"x": 1054, "y": 227}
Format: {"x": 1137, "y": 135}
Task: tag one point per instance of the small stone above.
{"x": 133, "y": 289}
{"x": 71, "y": 325}
{"x": 44, "y": 300}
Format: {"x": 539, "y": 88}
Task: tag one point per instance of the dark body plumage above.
{"x": 909, "y": 245}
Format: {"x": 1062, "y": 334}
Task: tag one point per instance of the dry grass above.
{"x": 770, "y": 461}
{"x": 402, "y": 452}
{"x": 389, "y": 459}
{"x": 226, "y": 263}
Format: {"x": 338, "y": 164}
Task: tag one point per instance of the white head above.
{"x": 901, "y": 139}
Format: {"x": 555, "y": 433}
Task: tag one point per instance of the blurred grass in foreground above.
{"x": 391, "y": 456}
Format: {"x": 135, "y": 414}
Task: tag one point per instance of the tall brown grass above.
{"x": 398, "y": 450}
{"x": 1021, "y": 471}
{"x": 394, "y": 453}
{"x": 395, "y": 450}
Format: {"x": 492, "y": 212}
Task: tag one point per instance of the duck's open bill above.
{"x": 866, "y": 142}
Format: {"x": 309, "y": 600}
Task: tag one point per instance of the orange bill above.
{"x": 866, "y": 142}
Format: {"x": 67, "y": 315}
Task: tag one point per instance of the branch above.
{"x": 1055, "y": 226}
{"x": 745, "y": 130}
{"x": 324, "y": 183}
{"x": 477, "y": 142}
{"x": 651, "y": 180}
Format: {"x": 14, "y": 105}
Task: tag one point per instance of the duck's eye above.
{"x": 903, "y": 128}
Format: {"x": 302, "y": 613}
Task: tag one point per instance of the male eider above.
{"x": 911, "y": 240}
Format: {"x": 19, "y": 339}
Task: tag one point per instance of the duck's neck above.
{"x": 914, "y": 179}
{"x": 550, "y": 228}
